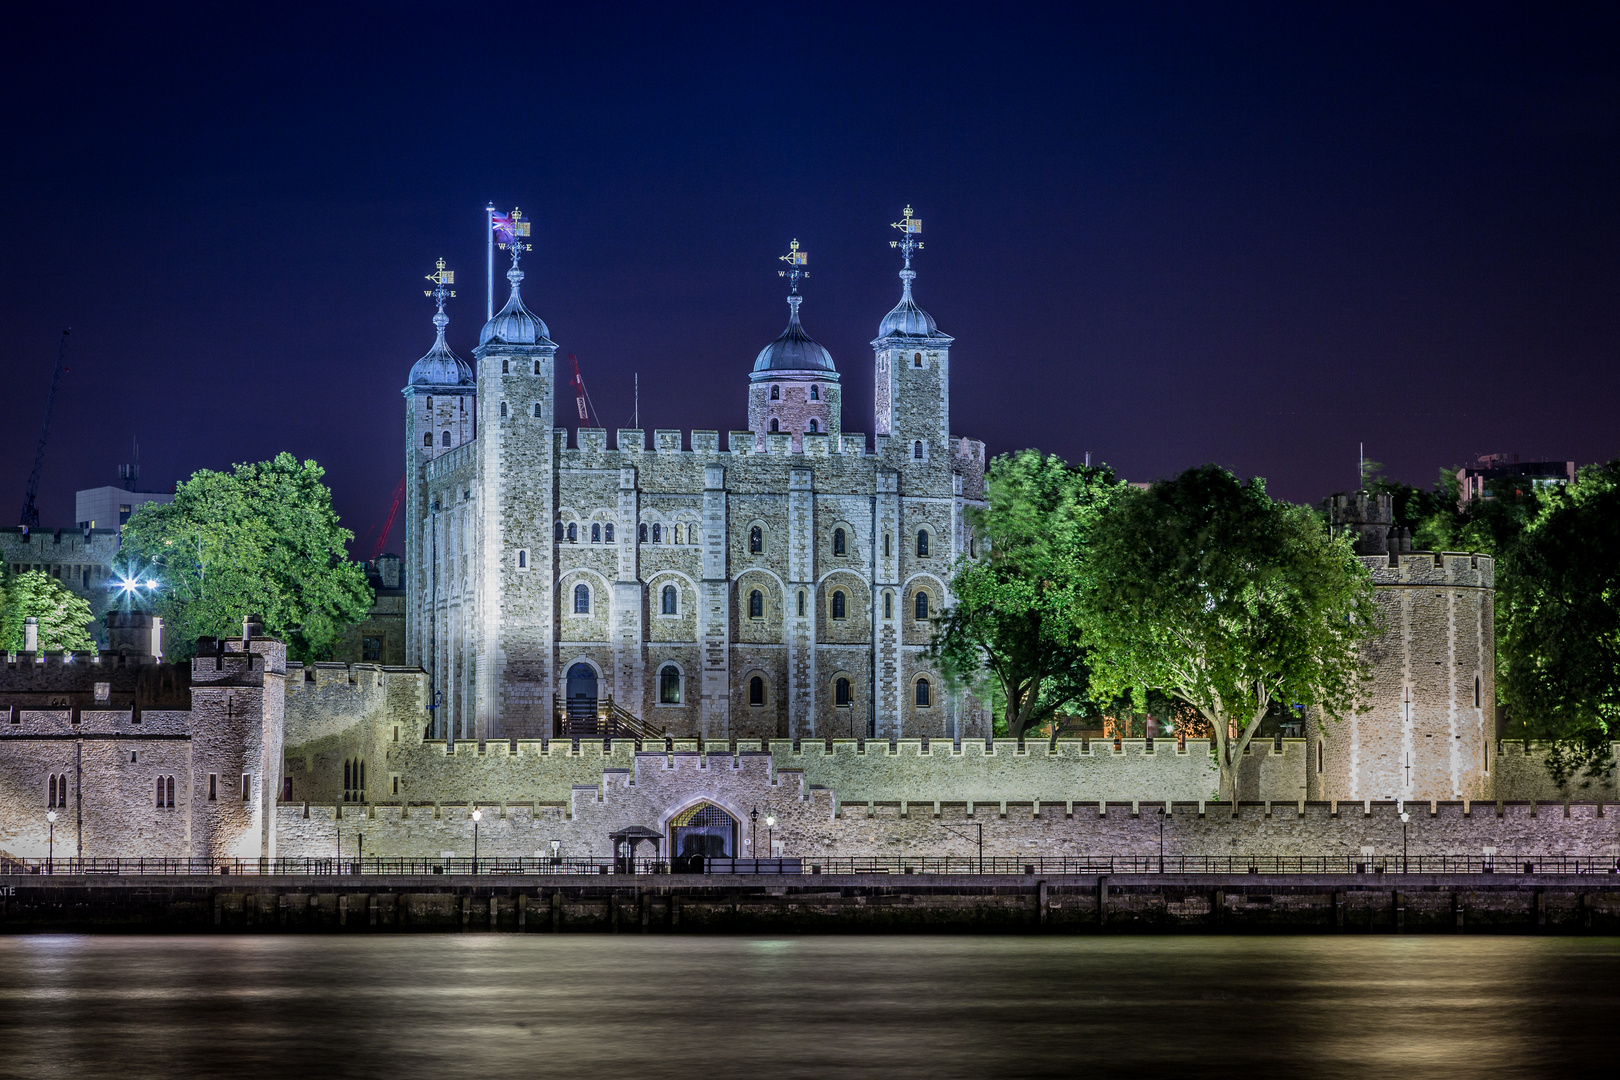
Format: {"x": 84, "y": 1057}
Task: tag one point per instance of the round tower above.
{"x": 794, "y": 386}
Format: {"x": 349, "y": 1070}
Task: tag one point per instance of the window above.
{"x": 523, "y": 560}
{"x": 444, "y": 439}
{"x": 838, "y": 604}
{"x": 1476, "y": 691}
{"x": 658, "y": 533}
{"x": 642, "y": 532}
{"x": 669, "y": 685}
{"x": 813, "y": 427}
{"x": 503, "y": 410}
{"x": 537, "y": 410}
{"x": 815, "y": 393}
{"x": 885, "y": 545}
{"x": 573, "y": 533}
{"x": 756, "y": 540}
{"x": 677, "y": 539}
{"x": 774, "y": 425}
{"x": 841, "y": 693}
{"x": 504, "y": 371}
{"x": 916, "y": 361}
{"x": 840, "y": 544}
{"x": 582, "y": 599}
{"x": 607, "y": 532}
{"x": 395, "y": 780}
{"x": 427, "y": 439}
{"x": 922, "y": 543}
{"x": 371, "y": 650}
{"x": 916, "y": 450}
{"x": 888, "y": 605}
{"x": 213, "y": 786}
{"x": 756, "y": 604}
{"x": 247, "y": 786}
{"x": 596, "y": 534}
{"x": 56, "y": 794}
{"x": 922, "y": 605}
{"x": 756, "y": 691}
{"x": 776, "y": 393}
{"x": 160, "y": 792}
{"x": 1318, "y": 755}
{"x": 923, "y": 695}
{"x": 354, "y": 781}
{"x": 286, "y": 789}
{"x": 670, "y": 600}
{"x": 537, "y": 367}
{"x": 429, "y": 404}
{"x": 559, "y": 531}
{"x": 801, "y": 603}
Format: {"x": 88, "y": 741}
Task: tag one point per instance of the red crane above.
{"x": 393, "y": 511}
{"x": 580, "y": 397}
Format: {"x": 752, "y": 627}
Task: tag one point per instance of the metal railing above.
{"x": 900, "y": 864}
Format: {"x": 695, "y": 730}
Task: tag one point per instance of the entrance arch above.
{"x": 702, "y": 832}
{"x": 582, "y": 693}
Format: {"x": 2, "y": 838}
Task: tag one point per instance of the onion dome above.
{"x": 795, "y": 350}
{"x": 907, "y": 319}
{"x": 441, "y": 367}
{"x": 515, "y": 324}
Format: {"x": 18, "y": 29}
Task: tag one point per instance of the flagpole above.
{"x": 489, "y": 238}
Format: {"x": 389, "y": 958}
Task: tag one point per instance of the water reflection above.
{"x": 495, "y": 1006}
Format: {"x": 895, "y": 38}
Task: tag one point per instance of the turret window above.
{"x": 922, "y": 543}
{"x": 658, "y": 533}
{"x": 801, "y": 603}
{"x": 916, "y": 361}
{"x": 815, "y": 393}
{"x": 582, "y": 599}
{"x": 917, "y": 450}
{"x": 607, "y": 532}
{"x": 573, "y": 533}
{"x": 924, "y": 694}
{"x": 756, "y": 691}
{"x": 505, "y": 369}
{"x": 756, "y": 540}
{"x": 444, "y": 439}
{"x": 677, "y": 534}
{"x": 775, "y": 426}
{"x": 503, "y": 410}
{"x": 922, "y": 606}
{"x": 427, "y": 439}
{"x": 671, "y": 598}
{"x": 596, "y": 534}
{"x": 840, "y": 545}
{"x": 776, "y": 393}
{"x": 839, "y": 605}
{"x": 669, "y": 685}
{"x": 559, "y": 531}
{"x": 642, "y": 533}
{"x": 756, "y": 604}
{"x": 841, "y": 694}
{"x": 814, "y": 427}
{"x": 888, "y": 605}
{"x": 537, "y": 410}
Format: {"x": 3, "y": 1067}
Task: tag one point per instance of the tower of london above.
{"x": 783, "y": 585}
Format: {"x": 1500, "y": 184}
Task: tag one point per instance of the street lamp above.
{"x": 1405, "y": 817}
{"x": 50, "y": 859}
{"x": 770, "y": 833}
{"x": 359, "y": 852}
{"x": 478, "y": 816}
{"x": 1161, "y": 839}
{"x": 753, "y": 835}
{"x": 555, "y": 846}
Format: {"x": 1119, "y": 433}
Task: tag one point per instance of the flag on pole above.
{"x": 507, "y": 227}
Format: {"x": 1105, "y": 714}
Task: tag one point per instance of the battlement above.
{"x": 1439, "y": 568}
{"x": 592, "y": 443}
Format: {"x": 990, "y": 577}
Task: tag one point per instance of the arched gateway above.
{"x": 702, "y": 831}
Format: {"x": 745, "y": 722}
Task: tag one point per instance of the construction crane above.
{"x": 30, "y": 512}
{"x": 393, "y": 512}
{"x": 580, "y": 397}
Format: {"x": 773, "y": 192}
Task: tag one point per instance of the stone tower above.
{"x": 794, "y": 386}
{"x": 515, "y": 482}
{"x": 912, "y": 379}
{"x": 441, "y": 400}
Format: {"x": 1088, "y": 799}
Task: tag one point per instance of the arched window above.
{"x": 669, "y": 685}
{"x": 815, "y": 393}
{"x": 658, "y": 533}
{"x": 840, "y": 544}
{"x": 888, "y": 605}
{"x": 642, "y": 532}
{"x": 922, "y": 604}
{"x": 671, "y": 598}
{"x": 50, "y": 799}
{"x": 171, "y": 793}
{"x": 774, "y": 425}
{"x": 916, "y": 361}
{"x": 1476, "y": 691}
{"x": 537, "y": 410}
{"x": 503, "y": 410}
{"x": 582, "y": 599}
{"x": 801, "y": 603}
{"x": 427, "y": 439}
{"x": 607, "y": 532}
{"x": 814, "y": 427}
{"x": 596, "y": 534}
{"x": 841, "y": 694}
{"x": 838, "y": 604}
{"x": 504, "y": 371}
{"x": 885, "y": 545}
{"x": 756, "y": 604}
{"x": 573, "y": 533}
{"x": 1318, "y": 755}
{"x": 160, "y": 791}
{"x": 923, "y": 698}
{"x": 523, "y": 560}
{"x": 537, "y": 367}
{"x": 756, "y": 691}
{"x": 756, "y": 540}
{"x": 776, "y": 393}
{"x": 916, "y": 450}
{"x": 559, "y": 530}
{"x": 922, "y": 543}
{"x": 444, "y": 439}
{"x": 677, "y": 535}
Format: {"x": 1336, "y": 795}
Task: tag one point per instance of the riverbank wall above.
{"x": 818, "y": 903}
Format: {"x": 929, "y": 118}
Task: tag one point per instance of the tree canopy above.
{"x": 261, "y": 539}
{"x": 1206, "y": 588}
{"x": 1558, "y": 607}
{"x": 64, "y": 619}
{"x": 1012, "y": 622}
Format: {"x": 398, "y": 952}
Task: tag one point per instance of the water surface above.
{"x": 497, "y": 1005}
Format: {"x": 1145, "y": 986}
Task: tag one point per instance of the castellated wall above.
{"x": 812, "y": 823}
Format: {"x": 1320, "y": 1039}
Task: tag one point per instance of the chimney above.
{"x": 31, "y": 634}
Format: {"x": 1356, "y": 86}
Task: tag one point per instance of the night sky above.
{"x": 1252, "y": 235}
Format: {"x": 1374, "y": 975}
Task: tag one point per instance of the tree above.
{"x": 261, "y": 539}
{"x": 1012, "y": 619}
{"x": 64, "y": 619}
{"x": 1558, "y": 602}
{"x": 1207, "y": 589}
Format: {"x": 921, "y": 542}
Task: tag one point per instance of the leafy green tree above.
{"x": 1558, "y": 606}
{"x": 1206, "y": 588}
{"x": 1012, "y": 622}
{"x": 261, "y": 539}
{"x": 64, "y": 619}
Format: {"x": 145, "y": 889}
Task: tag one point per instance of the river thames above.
{"x": 498, "y": 1006}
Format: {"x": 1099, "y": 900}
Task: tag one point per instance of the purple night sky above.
{"x": 1251, "y": 235}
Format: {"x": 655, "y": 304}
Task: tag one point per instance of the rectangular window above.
{"x": 245, "y": 778}
{"x": 371, "y": 650}
{"x": 395, "y": 782}
{"x": 213, "y": 787}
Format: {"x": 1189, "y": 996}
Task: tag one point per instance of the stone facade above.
{"x": 81, "y": 559}
{"x": 782, "y": 586}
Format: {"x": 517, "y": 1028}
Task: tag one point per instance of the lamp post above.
{"x": 770, "y": 833}
{"x": 50, "y": 858}
{"x": 1405, "y": 817}
{"x": 555, "y": 845}
{"x": 1161, "y": 839}
{"x": 359, "y": 851}
{"x": 753, "y": 835}
{"x": 478, "y": 816}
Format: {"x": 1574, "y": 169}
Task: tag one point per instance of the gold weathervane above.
{"x": 513, "y": 228}
{"x": 908, "y": 225}
{"x": 440, "y": 277}
{"x": 795, "y": 259}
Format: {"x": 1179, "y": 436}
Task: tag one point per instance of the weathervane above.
{"x": 508, "y": 227}
{"x": 795, "y": 259}
{"x": 440, "y": 278}
{"x": 910, "y": 228}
